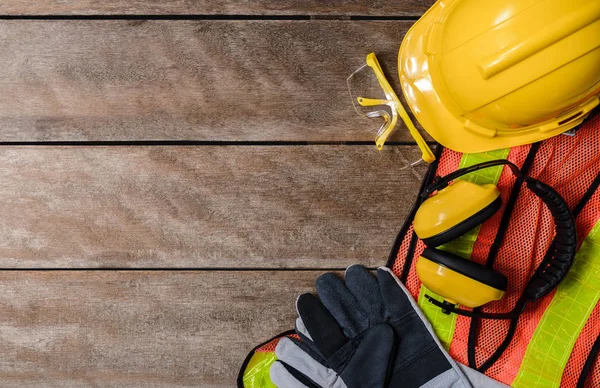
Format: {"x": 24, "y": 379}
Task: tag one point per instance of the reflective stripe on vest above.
{"x": 553, "y": 339}
{"x": 537, "y": 358}
{"x": 257, "y": 373}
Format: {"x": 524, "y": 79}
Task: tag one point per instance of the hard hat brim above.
{"x": 449, "y": 129}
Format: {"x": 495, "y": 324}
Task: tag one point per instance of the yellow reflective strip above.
{"x": 576, "y": 296}
{"x": 257, "y": 373}
{"x": 444, "y": 324}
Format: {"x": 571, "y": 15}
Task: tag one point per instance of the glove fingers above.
{"x": 282, "y": 378}
{"x": 291, "y": 354}
{"x": 307, "y": 343}
{"x": 366, "y": 291}
{"x": 301, "y": 330}
{"x": 342, "y": 305}
{"x": 371, "y": 362}
{"x": 396, "y": 301}
{"x": 318, "y": 325}
{"x": 309, "y": 348}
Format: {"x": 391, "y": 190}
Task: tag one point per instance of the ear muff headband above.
{"x": 441, "y": 183}
{"x": 564, "y": 246}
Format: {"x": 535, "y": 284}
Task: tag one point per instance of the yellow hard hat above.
{"x": 481, "y": 75}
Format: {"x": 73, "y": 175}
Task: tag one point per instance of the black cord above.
{"x": 409, "y": 257}
{"x": 472, "y": 342}
{"x": 589, "y": 363}
{"x": 429, "y": 176}
{"x": 507, "y": 340}
{"x": 500, "y": 350}
{"x": 473, "y": 314}
{"x": 495, "y": 248}
{"x": 587, "y": 196}
{"x": 510, "y": 334}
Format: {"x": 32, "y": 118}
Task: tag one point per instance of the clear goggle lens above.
{"x": 373, "y": 98}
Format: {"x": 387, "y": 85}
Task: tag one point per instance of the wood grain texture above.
{"x": 210, "y": 206}
{"x": 139, "y": 329}
{"x": 211, "y": 7}
{"x": 188, "y": 80}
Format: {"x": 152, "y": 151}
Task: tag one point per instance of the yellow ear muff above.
{"x": 459, "y": 280}
{"x": 455, "y": 210}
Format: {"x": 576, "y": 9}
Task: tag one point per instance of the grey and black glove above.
{"x": 360, "y": 362}
{"x": 365, "y": 332}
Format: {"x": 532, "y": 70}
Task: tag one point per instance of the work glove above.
{"x": 365, "y": 332}
{"x": 358, "y": 362}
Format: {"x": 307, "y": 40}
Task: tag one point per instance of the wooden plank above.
{"x": 208, "y": 206}
{"x": 206, "y": 7}
{"x": 188, "y": 80}
{"x": 139, "y": 329}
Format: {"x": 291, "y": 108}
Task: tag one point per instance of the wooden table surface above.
{"x": 174, "y": 173}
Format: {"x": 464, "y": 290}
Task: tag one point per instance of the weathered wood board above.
{"x": 235, "y": 206}
{"x": 265, "y": 80}
{"x": 206, "y": 7}
{"x": 156, "y": 265}
{"x": 67, "y": 329}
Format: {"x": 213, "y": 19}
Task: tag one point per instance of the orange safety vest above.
{"x": 556, "y": 341}
{"x": 551, "y": 342}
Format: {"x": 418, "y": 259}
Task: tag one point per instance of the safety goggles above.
{"x": 382, "y": 103}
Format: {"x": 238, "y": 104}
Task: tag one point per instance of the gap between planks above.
{"x": 207, "y": 17}
{"x": 230, "y": 8}
{"x": 142, "y": 329}
{"x": 196, "y": 80}
{"x": 200, "y": 143}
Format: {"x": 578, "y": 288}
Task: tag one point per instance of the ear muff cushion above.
{"x": 467, "y": 268}
{"x": 464, "y": 226}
